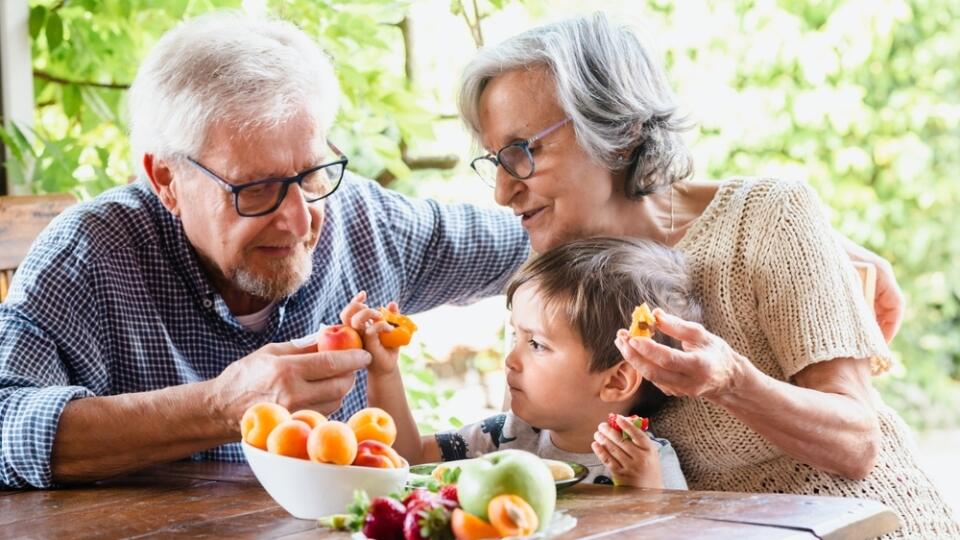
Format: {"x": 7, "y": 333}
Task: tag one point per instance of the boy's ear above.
{"x": 621, "y": 383}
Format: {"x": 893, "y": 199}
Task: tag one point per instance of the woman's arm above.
{"x": 826, "y": 420}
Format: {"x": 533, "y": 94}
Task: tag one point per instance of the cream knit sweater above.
{"x": 777, "y": 287}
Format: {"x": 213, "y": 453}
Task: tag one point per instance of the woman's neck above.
{"x": 665, "y": 216}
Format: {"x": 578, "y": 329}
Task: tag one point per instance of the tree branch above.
{"x": 43, "y": 75}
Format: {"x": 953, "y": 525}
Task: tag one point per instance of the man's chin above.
{"x": 276, "y": 279}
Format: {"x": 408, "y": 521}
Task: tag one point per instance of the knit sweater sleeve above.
{"x": 809, "y": 299}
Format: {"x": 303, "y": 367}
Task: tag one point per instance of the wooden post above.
{"x": 16, "y": 77}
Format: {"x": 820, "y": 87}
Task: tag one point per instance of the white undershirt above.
{"x": 256, "y": 321}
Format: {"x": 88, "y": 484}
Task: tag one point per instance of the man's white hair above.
{"x": 228, "y": 68}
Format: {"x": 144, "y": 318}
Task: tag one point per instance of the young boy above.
{"x": 564, "y": 372}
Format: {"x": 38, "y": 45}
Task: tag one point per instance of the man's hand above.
{"x": 889, "y": 303}
{"x": 297, "y": 378}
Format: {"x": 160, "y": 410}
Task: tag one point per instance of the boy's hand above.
{"x": 632, "y": 462}
{"x": 369, "y": 323}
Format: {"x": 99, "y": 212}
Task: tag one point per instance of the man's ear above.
{"x": 620, "y": 383}
{"x": 161, "y": 178}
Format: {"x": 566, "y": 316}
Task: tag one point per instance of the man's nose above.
{"x": 294, "y": 213}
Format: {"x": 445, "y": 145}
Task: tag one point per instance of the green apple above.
{"x": 513, "y": 472}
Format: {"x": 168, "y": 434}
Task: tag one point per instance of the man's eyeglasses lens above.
{"x": 262, "y": 198}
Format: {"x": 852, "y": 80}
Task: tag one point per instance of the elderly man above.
{"x": 143, "y": 323}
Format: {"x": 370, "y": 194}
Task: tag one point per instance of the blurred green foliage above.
{"x": 859, "y": 97}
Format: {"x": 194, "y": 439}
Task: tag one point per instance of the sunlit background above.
{"x": 859, "y": 98}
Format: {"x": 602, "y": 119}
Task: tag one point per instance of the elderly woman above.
{"x": 583, "y": 134}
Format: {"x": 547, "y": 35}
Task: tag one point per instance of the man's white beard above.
{"x": 281, "y": 278}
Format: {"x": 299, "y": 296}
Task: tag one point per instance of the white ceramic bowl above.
{"x": 311, "y": 490}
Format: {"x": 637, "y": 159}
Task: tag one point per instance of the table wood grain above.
{"x": 203, "y": 499}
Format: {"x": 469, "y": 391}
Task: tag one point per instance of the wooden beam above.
{"x": 16, "y": 76}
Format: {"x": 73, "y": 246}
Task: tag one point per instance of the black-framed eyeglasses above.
{"x": 262, "y": 197}
{"x": 515, "y": 158}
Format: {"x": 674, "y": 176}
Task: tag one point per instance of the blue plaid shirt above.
{"x": 111, "y": 299}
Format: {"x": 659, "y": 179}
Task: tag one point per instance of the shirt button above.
{"x": 207, "y": 303}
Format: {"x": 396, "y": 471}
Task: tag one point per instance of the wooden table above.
{"x": 225, "y": 500}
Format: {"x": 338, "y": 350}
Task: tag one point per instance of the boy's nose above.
{"x": 512, "y": 361}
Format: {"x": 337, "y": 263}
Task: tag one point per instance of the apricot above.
{"x": 259, "y": 420}
{"x": 374, "y": 424}
{"x": 372, "y": 453}
{"x": 643, "y": 323}
{"x": 510, "y": 515}
{"x": 289, "y": 438}
{"x": 402, "y": 331}
{"x": 467, "y": 526}
{"x": 311, "y": 418}
{"x": 332, "y": 442}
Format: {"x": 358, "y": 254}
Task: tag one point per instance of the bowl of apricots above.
{"x": 312, "y": 466}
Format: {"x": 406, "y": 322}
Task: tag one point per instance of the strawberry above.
{"x": 416, "y": 496}
{"x": 639, "y": 421}
{"x": 427, "y": 520}
{"x": 384, "y": 519}
{"x": 449, "y": 493}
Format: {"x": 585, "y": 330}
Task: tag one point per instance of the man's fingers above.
{"x": 328, "y": 364}
{"x": 688, "y": 332}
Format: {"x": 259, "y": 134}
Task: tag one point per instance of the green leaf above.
{"x": 38, "y": 15}
{"x": 54, "y": 31}
{"x": 72, "y": 100}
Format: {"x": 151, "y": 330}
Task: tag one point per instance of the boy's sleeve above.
{"x": 670, "y": 469}
{"x": 472, "y": 440}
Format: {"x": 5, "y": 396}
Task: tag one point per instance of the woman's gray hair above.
{"x": 609, "y": 84}
{"x": 229, "y": 68}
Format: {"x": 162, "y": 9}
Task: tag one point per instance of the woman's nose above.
{"x": 506, "y": 187}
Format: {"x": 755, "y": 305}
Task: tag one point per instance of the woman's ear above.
{"x": 161, "y": 179}
{"x": 620, "y": 383}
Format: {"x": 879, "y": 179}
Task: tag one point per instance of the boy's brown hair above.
{"x": 595, "y": 283}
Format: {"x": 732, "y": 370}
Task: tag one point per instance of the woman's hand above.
{"x": 632, "y": 462}
{"x": 706, "y": 367}
{"x": 369, "y": 323}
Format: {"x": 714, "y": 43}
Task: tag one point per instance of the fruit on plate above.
{"x": 338, "y": 338}
{"x": 372, "y": 453}
{"x": 402, "y": 332}
{"x": 310, "y": 417}
{"x": 384, "y": 519}
{"x": 641, "y": 422}
{"x": 559, "y": 469}
{"x": 643, "y": 323}
{"x": 512, "y": 472}
{"x": 332, "y": 442}
{"x": 512, "y": 516}
{"x": 259, "y": 420}
{"x": 375, "y": 424}
{"x": 466, "y": 526}
{"x": 289, "y": 438}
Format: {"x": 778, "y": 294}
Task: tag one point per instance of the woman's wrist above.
{"x": 742, "y": 376}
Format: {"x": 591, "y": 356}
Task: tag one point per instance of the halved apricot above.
{"x": 510, "y": 515}
{"x": 374, "y": 424}
{"x": 289, "y": 438}
{"x": 332, "y": 442}
{"x": 643, "y": 323}
{"x": 469, "y": 527}
{"x": 402, "y": 332}
{"x": 259, "y": 420}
